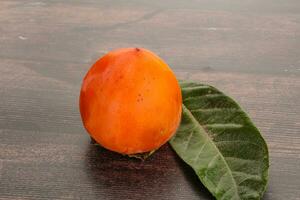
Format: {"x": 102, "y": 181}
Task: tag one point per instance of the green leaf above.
{"x": 218, "y": 140}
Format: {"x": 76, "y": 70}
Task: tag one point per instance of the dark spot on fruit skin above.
{"x": 137, "y": 49}
{"x": 139, "y": 98}
{"x": 119, "y": 78}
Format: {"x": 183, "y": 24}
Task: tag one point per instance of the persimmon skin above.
{"x": 130, "y": 101}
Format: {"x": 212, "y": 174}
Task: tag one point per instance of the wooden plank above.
{"x": 193, "y": 35}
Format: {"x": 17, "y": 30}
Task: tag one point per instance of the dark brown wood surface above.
{"x": 248, "y": 49}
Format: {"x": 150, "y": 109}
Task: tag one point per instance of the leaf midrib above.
{"x": 222, "y": 157}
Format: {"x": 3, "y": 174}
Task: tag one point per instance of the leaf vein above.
{"x": 188, "y": 141}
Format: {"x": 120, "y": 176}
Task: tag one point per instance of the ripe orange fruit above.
{"x": 130, "y": 101}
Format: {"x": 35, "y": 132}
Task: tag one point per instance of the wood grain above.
{"x": 248, "y": 49}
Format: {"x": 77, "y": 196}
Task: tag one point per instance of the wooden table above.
{"x": 248, "y": 49}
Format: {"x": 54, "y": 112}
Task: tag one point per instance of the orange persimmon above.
{"x": 130, "y": 101}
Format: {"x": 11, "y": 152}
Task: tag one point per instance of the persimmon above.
{"x": 130, "y": 101}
